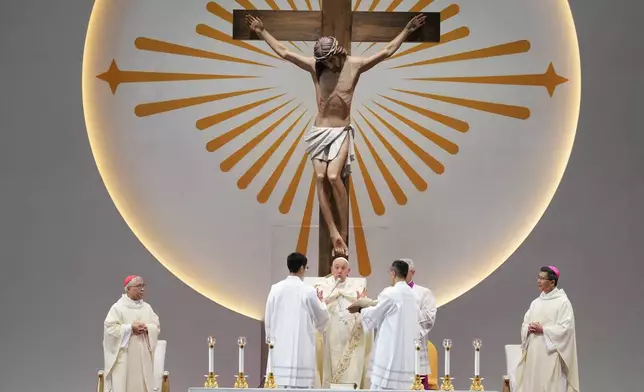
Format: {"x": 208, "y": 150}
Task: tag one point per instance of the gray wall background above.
{"x": 64, "y": 248}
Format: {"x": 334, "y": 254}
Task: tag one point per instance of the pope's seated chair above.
{"x": 513, "y": 355}
{"x": 432, "y": 355}
{"x": 161, "y": 376}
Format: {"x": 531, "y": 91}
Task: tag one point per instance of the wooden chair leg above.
{"x": 506, "y": 384}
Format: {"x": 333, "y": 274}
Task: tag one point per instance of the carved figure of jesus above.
{"x": 329, "y": 142}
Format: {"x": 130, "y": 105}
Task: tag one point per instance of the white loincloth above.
{"x": 324, "y": 143}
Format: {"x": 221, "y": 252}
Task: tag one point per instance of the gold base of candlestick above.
{"x": 241, "y": 382}
{"x": 211, "y": 381}
{"x": 418, "y": 384}
{"x": 446, "y": 385}
{"x": 270, "y": 382}
{"x": 476, "y": 384}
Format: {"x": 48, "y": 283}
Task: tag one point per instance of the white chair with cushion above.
{"x": 161, "y": 376}
{"x": 513, "y": 355}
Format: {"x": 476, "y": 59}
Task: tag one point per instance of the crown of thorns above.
{"x": 327, "y": 47}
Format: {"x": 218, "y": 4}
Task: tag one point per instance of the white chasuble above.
{"x": 426, "y": 319}
{"x": 346, "y": 347}
{"x": 395, "y": 316}
{"x": 549, "y": 361}
{"x": 128, "y": 357}
{"x": 293, "y": 314}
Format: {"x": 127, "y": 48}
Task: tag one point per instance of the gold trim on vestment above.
{"x": 343, "y": 365}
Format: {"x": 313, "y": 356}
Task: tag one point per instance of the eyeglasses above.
{"x": 139, "y": 286}
{"x": 542, "y": 278}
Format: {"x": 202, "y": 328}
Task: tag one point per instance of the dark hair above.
{"x": 551, "y": 274}
{"x": 295, "y": 261}
{"x": 401, "y": 269}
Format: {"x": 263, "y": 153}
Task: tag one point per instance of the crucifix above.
{"x": 335, "y": 19}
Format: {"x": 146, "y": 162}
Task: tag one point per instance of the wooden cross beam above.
{"x": 338, "y": 20}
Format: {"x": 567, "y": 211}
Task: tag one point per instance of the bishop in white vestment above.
{"x": 130, "y": 334}
{"x": 294, "y": 311}
{"x": 549, "y": 361}
{"x": 426, "y": 318}
{"x": 346, "y": 347}
{"x": 395, "y": 316}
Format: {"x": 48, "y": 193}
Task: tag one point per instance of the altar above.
{"x": 202, "y": 389}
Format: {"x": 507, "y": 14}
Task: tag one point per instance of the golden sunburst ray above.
{"x": 448, "y": 121}
{"x": 289, "y": 195}
{"x": 115, "y": 76}
{"x": 549, "y": 80}
{"x": 396, "y": 190}
{"x": 374, "y": 4}
{"x": 394, "y": 4}
{"x": 376, "y": 202}
{"x": 409, "y": 171}
{"x": 248, "y": 177}
{"x": 420, "y": 5}
{"x": 227, "y": 137}
{"x": 266, "y": 191}
{"x": 308, "y": 5}
{"x": 434, "y": 164}
{"x": 216, "y": 9}
{"x": 215, "y": 119}
{"x": 207, "y": 31}
{"x": 454, "y": 35}
{"x": 518, "y": 112}
{"x": 155, "y": 45}
{"x": 246, "y": 4}
{"x": 238, "y": 155}
{"x": 506, "y": 49}
{"x": 305, "y": 226}
{"x": 362, "y": 252}
{"x": 152, "y": 108}
{"x": 356, "y": 5}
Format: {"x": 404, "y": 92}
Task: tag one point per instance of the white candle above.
{"x": 241, "y": 359}
{"x": 270, "y": 360}
{"x": 417, "y": 358}
{"x": 477, "y": 363}
{"x": 211, "y": 359}
{"x": 446, "y": 361}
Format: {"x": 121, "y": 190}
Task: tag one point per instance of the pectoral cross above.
{"x": 338, "y": 20}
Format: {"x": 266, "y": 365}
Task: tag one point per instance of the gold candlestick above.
{"x": 211, "y": 378}
{"x": 476, "y": 381}
{"x": 446, "y": 385}
{"x": 418, "y": 383}
{"x": 240, "y": 382}
{"x": 269, "y": 383}
{"x": 211, "y": 381}
{"x": 476, "y": 384}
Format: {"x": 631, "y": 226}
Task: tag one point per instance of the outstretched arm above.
{"x": 306, "y": 63}
{"x": 366, "y": 63}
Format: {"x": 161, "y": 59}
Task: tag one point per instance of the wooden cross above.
{"x": 335, "y": 19}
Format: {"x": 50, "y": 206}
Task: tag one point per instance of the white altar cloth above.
{"x": 202, "y": 389}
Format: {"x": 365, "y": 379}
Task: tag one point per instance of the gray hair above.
{"x": 410, "y": 263}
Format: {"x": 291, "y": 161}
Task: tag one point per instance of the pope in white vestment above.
{"x": 346, "y": 347}
{"x": 130, "y": 334}
{"x": 549, "y": 361}
{"x": 294, "y": 311}
{"x": 426, "y": 318}
{"x": 395, "y": 316}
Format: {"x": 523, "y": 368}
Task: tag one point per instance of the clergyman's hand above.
{"x": 415, "y": 23}
{"x": 255, "y": 23}
{"x": 362, "y": 294}
{"x": 353, "y": 308}
{"x": 320, "y": 295}
{"x": 535, "y": 328}
{"x": 136, "y": 327}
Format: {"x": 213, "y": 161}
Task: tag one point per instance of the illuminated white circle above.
{"x": 216, "y": 237}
